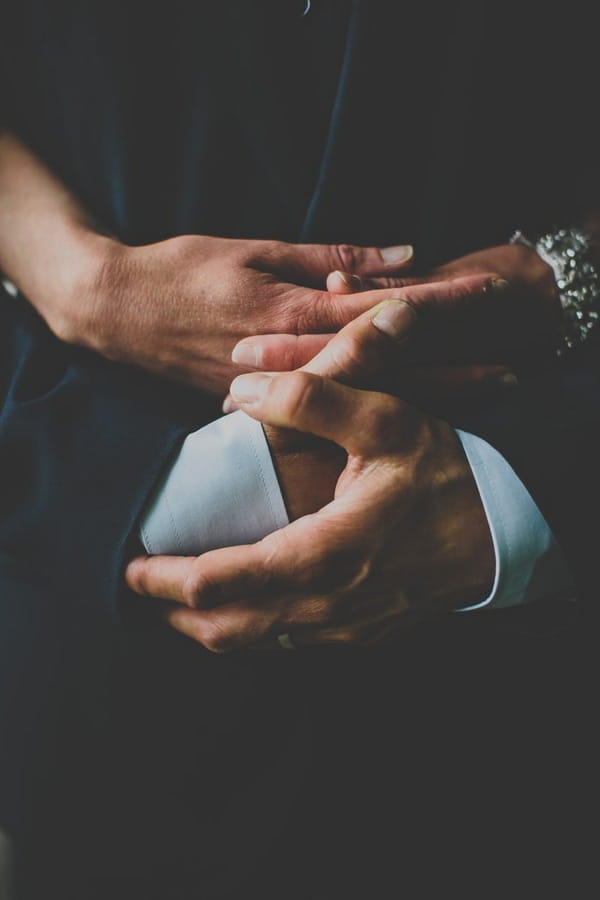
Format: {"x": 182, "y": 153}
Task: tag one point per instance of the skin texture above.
{"x": 308, "y": 468}
{"x": 179, "y": 306}
{"x": 471, "y": 341}
{"x": 459, "y": 326}
{"x": 404, "y": 537}
{"x": 176, "y": 307}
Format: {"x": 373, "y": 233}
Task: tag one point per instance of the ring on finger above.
{"x": 285, "y": 641}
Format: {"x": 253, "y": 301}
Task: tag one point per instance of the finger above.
{"x": 292, "y": 574}
{"x": 226, "y": 628}
{"x": 367, "y": 345}
{"x": 312, "y": 637}
{"x": 270, "y": 567}
{"x": 285, "y": 352}
{"x": 430, "y": 319}
{"x": 229, "y": 405}
{"x": 361, "y": 347}
{"x": 360, "y": 422}
{"x": 300, "y": 311}
{"x": 349, "y": 618}
{"x": 175, "y": 578}
{"x": 311, "y": 263}
{"x": 278, "y": 352}
{"x": 344, "y": 283}
{"x": 257, "y": 623}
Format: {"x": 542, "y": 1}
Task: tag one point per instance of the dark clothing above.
{"x": 157, "y": 768}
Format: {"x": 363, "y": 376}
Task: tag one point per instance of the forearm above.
{"x": 48, "y": 246}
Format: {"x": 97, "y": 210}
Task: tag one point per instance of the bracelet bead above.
{"x": 568, "y": 253}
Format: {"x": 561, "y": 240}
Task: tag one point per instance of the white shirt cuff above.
{"x": 221, "y": 490}
{"x": 529, "y": 563}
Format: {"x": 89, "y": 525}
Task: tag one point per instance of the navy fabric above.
{"x": 168, "y": 768}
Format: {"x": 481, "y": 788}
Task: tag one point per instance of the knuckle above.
{"x": 195, "y": 587}
{"x": 299, "y": 391}
{"x": 350, "y": 635}
{"x": 285, "y": 357}
{"x": 360, "y": 573}
{"x": 422, "y": 301}
{"x": 136, "y": 576}
{"x": 338, "y": 571}
{"x": 350, "y": 356}
{"x": 389, "y": 283}
{"x": 310, "y": 611}
{"x": 215, "y": 637}
{"x": 258, "y": 253}
{"x": 298, "y": 356}
{"x": 311, "y": 316}
{"x": 347, "y": 257}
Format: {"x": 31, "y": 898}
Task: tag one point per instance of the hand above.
{"x": 405, "y": 536}
{"x": 506, "y": 326}
{"x": 529, "y": 318}
{"x": 177, "y": 307}
{"x": 434, "y": 326}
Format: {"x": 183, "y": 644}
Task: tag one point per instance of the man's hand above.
{"x": 435, "y": 327}
{"x": 178, "y": 307}
{"x": 405, "y": 536}
{"x": 510, "y": 315}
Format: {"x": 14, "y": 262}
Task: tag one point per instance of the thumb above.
{"x": 434, "y": 317}
{"x": 445, "y": 321}
{"x": 344, "y": 283}
{"x": 312, "y": 263}
{"x": 367, "y": 345}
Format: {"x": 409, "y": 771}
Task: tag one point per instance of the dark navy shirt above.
{"x": 133, "y": 103}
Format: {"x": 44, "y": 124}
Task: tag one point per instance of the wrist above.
{"x": 76, "y": 299}
{"x": 50, "y": 249}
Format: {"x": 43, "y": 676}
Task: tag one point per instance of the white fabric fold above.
{"x": 221, "y": 490}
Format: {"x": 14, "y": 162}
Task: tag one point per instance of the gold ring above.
{"x": 285, "y": 641}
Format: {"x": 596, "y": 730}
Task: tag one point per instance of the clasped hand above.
{"x": 404, "y": 536}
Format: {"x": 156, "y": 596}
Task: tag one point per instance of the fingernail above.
{"x": 228, "y": 405}
{"x": 246, "y": 355}
{"x": 250, "y": 388}
{"x": 351, "y": 281}
{"x": 395, "y": 318}
{"x": 499, "y": 284}
{"x": 393, "y": 256}
{"x": 508, "y": 380}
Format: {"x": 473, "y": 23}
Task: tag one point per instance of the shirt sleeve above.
{"x": 529, "y": 563}
{"x": 222, "y": 490}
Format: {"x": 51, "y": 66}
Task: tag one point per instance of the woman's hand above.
{"x": 176, "y": 307}
{"x": 179, "y": 306}
{"x": 509, "y": 318}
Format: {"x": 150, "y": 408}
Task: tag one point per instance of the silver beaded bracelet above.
{"x": 567, "y": 252}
